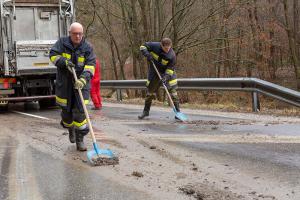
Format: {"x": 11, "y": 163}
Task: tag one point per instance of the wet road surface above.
{"x": 28, "y": 173}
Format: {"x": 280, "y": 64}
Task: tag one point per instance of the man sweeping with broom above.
{"x": 67, "y": 53}
{"x": 75, "y": 61}
{"x": 161, "y": 58}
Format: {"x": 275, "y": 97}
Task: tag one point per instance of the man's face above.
{"x": 166, "y": 49}
{"x": 76, "y": 35}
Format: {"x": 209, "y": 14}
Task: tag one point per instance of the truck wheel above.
{"x": 3, "y": 107}
{"x": 47, "y": 103}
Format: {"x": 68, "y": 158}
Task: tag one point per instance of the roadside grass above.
{"x": 267, "y": 107}
{"x": 227, "y": 101}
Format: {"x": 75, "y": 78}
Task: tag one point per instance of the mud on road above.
{"x": 162, "y": 162}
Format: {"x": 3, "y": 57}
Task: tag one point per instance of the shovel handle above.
{"x": 166, "y": 89}
{"x": 84, "y": 108}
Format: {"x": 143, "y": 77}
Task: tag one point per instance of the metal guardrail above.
{"x": 253, "y": 85}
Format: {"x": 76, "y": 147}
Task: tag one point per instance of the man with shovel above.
{"x": 67, "y": 53}
{"x": 162, "y": 55}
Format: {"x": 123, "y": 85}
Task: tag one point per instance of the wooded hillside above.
{"x": 215, "y": 38}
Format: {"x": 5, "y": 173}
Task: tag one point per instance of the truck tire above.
{"x": 47, "y": 103}
{"x": 3, "y": 107}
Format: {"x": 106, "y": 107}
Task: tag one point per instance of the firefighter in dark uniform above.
{"x": 163, "y": 56}
{"x": 73, "y": 52}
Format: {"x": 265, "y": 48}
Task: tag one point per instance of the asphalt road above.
{"x": 37, "y": 162}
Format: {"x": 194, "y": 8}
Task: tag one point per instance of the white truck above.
{"x": 29, "y": 28}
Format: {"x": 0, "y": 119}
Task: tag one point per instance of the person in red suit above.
{"x": 95, "y": 87}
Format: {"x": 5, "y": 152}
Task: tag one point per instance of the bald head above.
{"x": 76, "y": 26}
{"x": 76, "y": 33}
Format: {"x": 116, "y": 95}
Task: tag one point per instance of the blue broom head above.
{"x": 97, "y": 152}
{"x": 180, "y": 116}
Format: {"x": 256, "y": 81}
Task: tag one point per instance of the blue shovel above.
{"x": 97, "y": 156}
{"x": 179, "y": 115}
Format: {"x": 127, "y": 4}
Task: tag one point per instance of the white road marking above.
{"x": 27, "y": 114}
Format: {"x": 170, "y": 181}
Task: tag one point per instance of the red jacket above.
{"x": 95, "y": 86}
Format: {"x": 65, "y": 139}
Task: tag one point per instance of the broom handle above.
{"x": 167, "y": 91}
{"x": 84, "y": 108}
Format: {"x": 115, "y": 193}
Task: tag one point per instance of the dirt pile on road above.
{"x": 101, "y": 161}
{"x": 203, "y": 192}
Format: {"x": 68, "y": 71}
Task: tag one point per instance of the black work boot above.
{"x": 72, "y": 135}
{"x": 144, "y": 114}
{"x": 176, "y": 104}
{"x": 146, "y": 110}
{"x": 79, "y": 143}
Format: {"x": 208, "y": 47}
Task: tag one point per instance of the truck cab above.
{"x": 29, "y": 28}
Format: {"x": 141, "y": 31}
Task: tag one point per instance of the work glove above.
{"x": 70, "y": 65}
{"x": 165, "y": 80}
{"x": 80, "y": 83}
{"x": 149, "y": 57}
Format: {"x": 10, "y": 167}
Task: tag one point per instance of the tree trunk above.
{"x": 111, "y": 45}
{"x": 292, "y": 43}
{"x": 271, "y": 62}
{"x": 255, "y": 30}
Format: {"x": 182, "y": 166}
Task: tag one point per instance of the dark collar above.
{"x": 68, "y": 42}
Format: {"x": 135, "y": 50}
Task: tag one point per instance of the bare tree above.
{"x": 216, "y": 38}
{"x": 290, "y": 29}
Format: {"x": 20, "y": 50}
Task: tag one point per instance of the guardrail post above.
{"x": 255, "y": 102}
{"x": 119, "y": 95}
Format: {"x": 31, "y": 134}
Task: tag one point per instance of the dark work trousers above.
{"x": 75, "y": 119}
{"x": 153, "y": 87}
